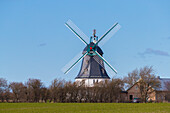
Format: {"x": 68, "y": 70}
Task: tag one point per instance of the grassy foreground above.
{"x": 84, "y": 108}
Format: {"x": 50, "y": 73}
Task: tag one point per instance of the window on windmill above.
{"x": 101, "y": 62}
{"x": 97, "y": 81}
{"x": 102, "y": 70}
{"x": 87, "y": 61}
{"x": 85, "y": 71}
{"x": 93, "y": 81}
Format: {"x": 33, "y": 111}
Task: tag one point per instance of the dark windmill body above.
{"x": 92, "y": 69}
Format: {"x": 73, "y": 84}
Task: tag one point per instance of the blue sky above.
{"x": 35, "y": 43}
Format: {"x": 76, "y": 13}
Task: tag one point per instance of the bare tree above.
{"x": 56, "y": 89}
{"x": 147, "y": 83}
{"x": 105, "y": 91}
{"x": 72, "y": 91}
{"x": 3, "y": 88}
{"x": 167, "y": 95}
{"x": 131, "y": 78}
{"x": 18, "y": 90}
{"x": 7, "y": 94}
{"x": 35, "y": 85}
{"x": 45, "y": 93}
{"x": 28, "y": 92}
{"x": 115, "y": 86}
{"x": 81, "y": 92}
{"x": 111, "y": 90}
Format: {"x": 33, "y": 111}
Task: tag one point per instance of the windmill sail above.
{"x": 91, "y": 51}
{"x": 106, "y": 62}
{"x": 109, "y": 34}
{"x": 77, "y": 32}
{"x": 73, "y": 62}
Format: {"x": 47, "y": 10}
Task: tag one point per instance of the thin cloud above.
{"x": 154, "y": 52}
{"x": 42, "y": 44}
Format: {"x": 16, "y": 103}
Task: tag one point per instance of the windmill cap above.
{"x": 99, "y": 50}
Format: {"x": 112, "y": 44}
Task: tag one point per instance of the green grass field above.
{"x": 84, "y": 108}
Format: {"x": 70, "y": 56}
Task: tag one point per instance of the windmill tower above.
{"x": 92, "y": 69}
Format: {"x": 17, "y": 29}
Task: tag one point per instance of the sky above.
{"x": 35, "y": 43}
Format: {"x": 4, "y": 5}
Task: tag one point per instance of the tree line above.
{"x": 60, "y": 91}
{"x": 33, "y": 90}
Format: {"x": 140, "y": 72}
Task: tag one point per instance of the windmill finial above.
{"x": 94, "y": 32}
{"x": 95, "y": 38}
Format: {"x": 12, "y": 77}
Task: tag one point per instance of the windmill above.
{"x": 92, "y": 69}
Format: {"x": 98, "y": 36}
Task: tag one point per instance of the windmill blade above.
{"x": 108, "y": 34}
{"x": 98, "y": 60}
{"x": 77, "y": 32}
{"x": 73, "y": 62}
{"x": 105, "y": 62}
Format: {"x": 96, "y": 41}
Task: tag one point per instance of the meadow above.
{"x": 84, "y": 107}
